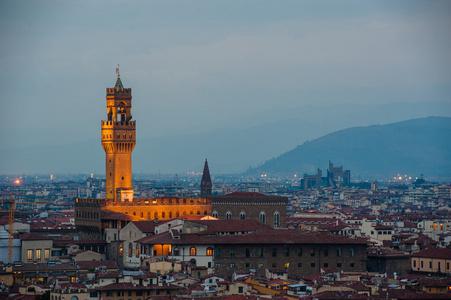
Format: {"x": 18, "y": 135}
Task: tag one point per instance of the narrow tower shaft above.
{"x": 205, "y": 184}
{"x": 118, "y": 140}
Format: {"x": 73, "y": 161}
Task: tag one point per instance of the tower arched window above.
{"x": 130, "y": 250}
{"x": 262, "y": 217}
{"x": 276, "y": 219}
{"x": 192, "y": 251}
{"x": 228, "y": 215}
{"x": 214, "y": 214}
{"x": 242, "y": 215}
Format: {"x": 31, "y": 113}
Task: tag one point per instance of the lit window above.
{"x": 38, "y": 254}
{"x": 209, "y": 251}
{"x": 30, "y": 255}
{"x": 192, "y": 251}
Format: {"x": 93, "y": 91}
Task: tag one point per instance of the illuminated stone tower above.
{"x": 118, "y": 141}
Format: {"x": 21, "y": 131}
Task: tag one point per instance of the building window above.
{"x": 29, "y": 255}
{"x": 176, "y": 251}
{"x": 47, "y": 254}
{"x": 217, "y": 265}
{"x": 121, "y": 250}
{"x": 299, "y": 265}
{"x": 232, "y": 252}
{"x": 430, "y": 265}
{"x": 248, "y": 252}
{"x": 274, "y": 252}
{"x": 242, "y": 215}
{"x": 240, "y": 289}
{"x": 248, "y": 264}
{"x": 287, "y": 265}
{"x": 192, "y": 251}
{"x": 209, "y": 251}
{"x": 137, "y": 251}
{"x": 228, "y": 215}
{"x": 326, "y": 265}
{"x": 232, "y": 265}
{"x": 300, "y": 252}
{"x": 262, "y": 217}
{"x": 218, "y": 252}
{"x": 312, "y": 265}
{"x": 38, "y": 254}
{"x": 312, "y": 252}
{"x": 338, "y": 265}
{"x": 414, "y": 263}
{"x": 260, "y": 252}
{"x": 130, "y": 250}
{"x": 351, "y": 252}
{"x": 287, "y": 252}
{"x": 276, "y": 219}
{"x": 274, "y": 265}
{"x": 338, "y": 252}
{"x": 421, "y": 263}
{"x": 351, "y": 265}
{"x": 214, "y": 214}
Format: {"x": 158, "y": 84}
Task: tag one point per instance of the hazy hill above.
{"x": 231, "y": 147}
{"x": 410, "y": 147}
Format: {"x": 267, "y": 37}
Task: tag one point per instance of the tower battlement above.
{"x": 121, "y": 124}
{"x": 118, "y": 92}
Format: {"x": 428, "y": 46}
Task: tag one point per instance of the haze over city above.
{"x": 214, "y": 68}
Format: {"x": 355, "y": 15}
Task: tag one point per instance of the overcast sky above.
{"x": 194, "y": 65}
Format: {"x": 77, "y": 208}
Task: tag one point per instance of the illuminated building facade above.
{"x": 94, "y": 218}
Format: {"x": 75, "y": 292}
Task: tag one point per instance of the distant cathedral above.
{"x": 99, "y": 218}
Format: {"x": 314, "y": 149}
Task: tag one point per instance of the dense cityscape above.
{"x": 242, "y": 150}
{"x": 191, "y": 236}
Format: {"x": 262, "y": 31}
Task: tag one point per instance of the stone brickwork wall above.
{"x": 298, "y": 260}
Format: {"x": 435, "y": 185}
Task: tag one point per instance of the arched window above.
{"x": 276, "y": 219}
{"x": 170, "y": 215}
{"x": 192, "y": 251}
{"x": 262, "y": 217}
{"x": 142, "y": 214}
{"x": 214, "y": 214}
{"x": 198, "y": 212}
{"x": 121, "y": 250}
{"x": 137, "y": 251}
{"x": 130, "y": 250}
{"x": 177, "y": 214}
{"x": 242, "y": 215}
{"x": 176, "y": 251}
{"x": 155, "y": 215}
{"x": 209, "y": 251}
{"x": 228, "y": 215}
{"x": 163, "y": 215}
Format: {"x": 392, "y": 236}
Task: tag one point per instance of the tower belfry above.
{"x": 118, "y": 141}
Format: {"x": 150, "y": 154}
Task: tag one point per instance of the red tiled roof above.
{"x": 84, "y": 265}
{"x": 434, "y": 253}
{"x": 117, "y": 216}
{"x": 145, "y": 226}
{"x": 33, "y": 237}
{"x": 245, "y": 194}
{"x": 261, "y": 236}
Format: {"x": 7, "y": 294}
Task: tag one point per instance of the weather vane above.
{"x": 117, "y": 71}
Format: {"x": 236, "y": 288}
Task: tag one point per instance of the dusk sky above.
{"x": 196, "y": 66}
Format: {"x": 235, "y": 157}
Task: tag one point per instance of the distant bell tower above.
{"x": 118, "y": 141}
{"x": 205, "y": 184}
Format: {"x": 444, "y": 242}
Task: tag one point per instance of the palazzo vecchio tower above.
{"x": 118, "y": 141}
